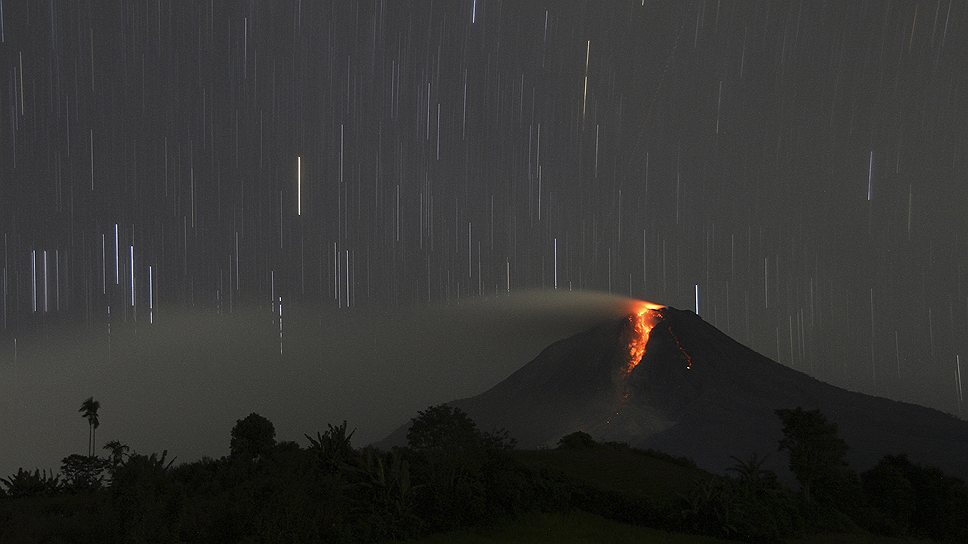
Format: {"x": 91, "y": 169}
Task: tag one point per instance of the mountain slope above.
{"x": 699, "y": 393}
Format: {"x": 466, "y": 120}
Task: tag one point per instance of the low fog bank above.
{"x": 180, "y": 384}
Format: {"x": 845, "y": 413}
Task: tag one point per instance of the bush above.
{"x": 31, "y": 484}
{"x": 443, "y": 427}
{"x": 83, "y": 472}
{"x": 753, "y": 511}
{"x": 146, "y": 498}
{"x": 916, "y": 500}
{"x": 577, "y": 440}
{"x": 818, "y": 459}
{"x": 252, "y": 437}
{"x": 663, "y": 456}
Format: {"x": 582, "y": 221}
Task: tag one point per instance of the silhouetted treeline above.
{"x": 894, "y": 498}
{"x": 452, "y": 475}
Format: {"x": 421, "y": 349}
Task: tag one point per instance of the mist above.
{"x": 181, "y": 383}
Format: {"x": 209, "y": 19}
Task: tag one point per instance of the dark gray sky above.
{"x": 799, "y": 165}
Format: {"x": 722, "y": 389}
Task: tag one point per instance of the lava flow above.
{"x": 642, "y": 321}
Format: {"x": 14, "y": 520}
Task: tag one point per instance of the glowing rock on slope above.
{"x": 642, "y": 320}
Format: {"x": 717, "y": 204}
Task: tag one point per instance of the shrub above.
{"x": 576, "y": 441}
{"x": 30, "y": 484}
{"x": 252, "y": 437}
{"x": 83, "y": 472}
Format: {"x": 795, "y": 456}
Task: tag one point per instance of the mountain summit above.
{"x": 664, "y": 378}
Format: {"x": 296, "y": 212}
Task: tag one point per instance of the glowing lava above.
{"x": 644, "y": 318}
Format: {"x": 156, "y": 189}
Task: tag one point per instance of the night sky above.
{"x": 795, "y": 170}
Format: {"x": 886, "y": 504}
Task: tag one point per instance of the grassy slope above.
{"x": 856, "y": 539}
{"x": 569, "y": 528}
{"x": 628, "y": 471}
{"x": 584, "y": 528}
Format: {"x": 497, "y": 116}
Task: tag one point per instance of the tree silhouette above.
{"x": 88, "y": 411}
{"x": 118, "y": 451}
{"x": 818, "y": 458}
{"x": 918, "y": 500}
{"x": 252, "y": 437}
{"x": 333, "y": 446}
{"x": 443, "y": 427}
{"x": 577, "y": 440}
{"x": 83, "y": 473}
{"x": 147, "y": 501}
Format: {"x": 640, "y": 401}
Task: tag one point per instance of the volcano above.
{"x": 665, "y": 379}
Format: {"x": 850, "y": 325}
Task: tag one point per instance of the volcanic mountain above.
{"x": 663, "y": 378}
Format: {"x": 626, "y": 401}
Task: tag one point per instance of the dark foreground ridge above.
{"x": 698, "y": 393}
{"x": 453, "y": 481}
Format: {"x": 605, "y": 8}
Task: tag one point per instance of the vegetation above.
{"x": 912, "y": 499}
{"x": 818, "y": 458}
{"x": 465, "y": 485}
{"x": 646, "y": 475}
{"x": 252, "y": 437}
{"x": 88, "y": 411}
{"x": 574, "y": 527}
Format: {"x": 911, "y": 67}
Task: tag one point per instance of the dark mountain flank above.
{"x": 695, "y": 392}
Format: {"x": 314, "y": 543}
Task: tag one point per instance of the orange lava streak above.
{"x": 642, "y": 322}
{"x": 682, "y": 350}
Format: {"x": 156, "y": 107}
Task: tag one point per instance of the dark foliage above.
{"x": 119, "y": 452}
{"x": 332, "y": 448}
{"x": 576, "y": 441}
{"x": 580, "y": 440}
{"x": 88, "y": 411}
{"x": 818, "y": 459}
{"x": 916, "y": 500}
{"x": 252, "y": 437}
{"x": 24, "y": 483}
{"x": 83, "y": 472}
{"x": 265, "y": 491}
{"x": 468, "y": 477}
{"x": 622, "y": 507}
{"x": 663, "y": 456}
{"x": 751, "y": 506}
{"x": 146, "y": 500}
{"x": 452, "y": 475}
{"x": 443, "y": 428}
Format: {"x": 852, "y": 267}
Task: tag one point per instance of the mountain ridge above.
{"x": 699, "y": 393}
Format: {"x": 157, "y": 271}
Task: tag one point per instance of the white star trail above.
{"x": 435, "y": 144}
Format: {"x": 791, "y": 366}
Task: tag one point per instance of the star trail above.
{"x": 794, "y": 170}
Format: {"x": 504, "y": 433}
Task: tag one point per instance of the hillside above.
{"x": 698, "y": 393}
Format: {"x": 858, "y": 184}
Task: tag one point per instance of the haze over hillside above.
{"x": 181, "y": 383}
{"x": 664, "y": 378}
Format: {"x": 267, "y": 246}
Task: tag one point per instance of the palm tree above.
{"x": 751, "y": 474}
{"x": 88, "y": 411}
